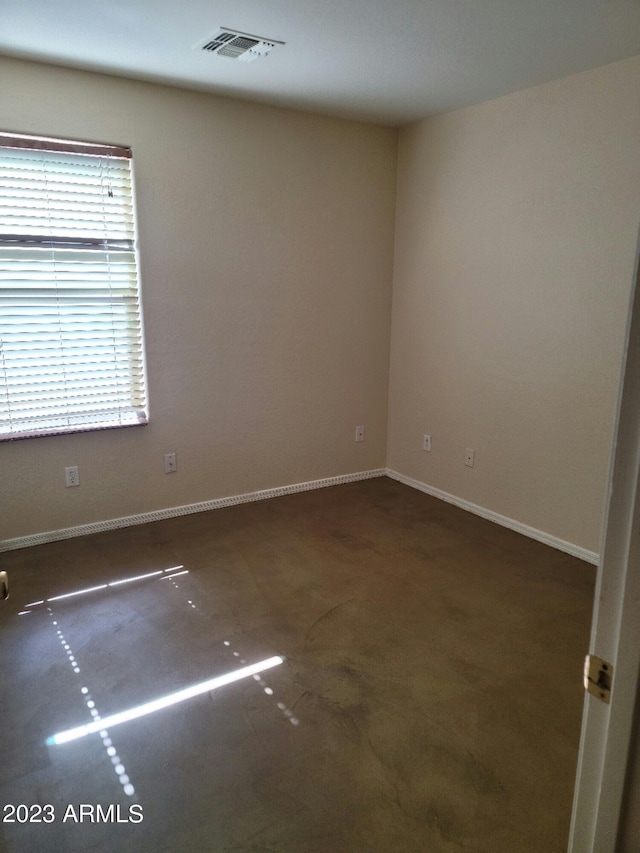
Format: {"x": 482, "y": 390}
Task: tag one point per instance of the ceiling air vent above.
{"x": 236, "y": 45}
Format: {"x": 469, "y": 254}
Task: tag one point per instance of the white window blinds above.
{"x": 71, "y": 348}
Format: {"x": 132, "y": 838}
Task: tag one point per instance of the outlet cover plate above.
{"x": 72, "y": 476}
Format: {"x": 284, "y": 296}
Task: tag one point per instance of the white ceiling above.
{"x": 388, "y": 61}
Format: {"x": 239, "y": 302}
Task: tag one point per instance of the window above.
{"x": 71, "y": 350}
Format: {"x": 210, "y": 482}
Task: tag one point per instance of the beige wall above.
{"x": 266, "y": 241}
{"x": 516, "y": 230}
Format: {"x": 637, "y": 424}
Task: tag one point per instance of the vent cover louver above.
{"x": 237, "y": 45}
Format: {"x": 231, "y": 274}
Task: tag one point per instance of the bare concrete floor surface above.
{"x": 429, "y": 699}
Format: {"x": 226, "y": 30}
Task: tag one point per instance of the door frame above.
{"x": 606, "y": 737}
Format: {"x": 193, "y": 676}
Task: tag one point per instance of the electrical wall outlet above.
{"x": 359, "y": 433}
{"x": 170, "y": 463}
{"x": 469, "y": 457}
{"x": 72, "y": 476}
{"x": 426, "y": 442}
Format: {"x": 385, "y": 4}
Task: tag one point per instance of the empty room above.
{"x": 319, "y": 426}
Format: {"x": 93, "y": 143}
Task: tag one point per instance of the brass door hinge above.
{"x": 598, "y": 677}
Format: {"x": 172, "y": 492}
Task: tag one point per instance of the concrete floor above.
{"x": 430, "y": 698}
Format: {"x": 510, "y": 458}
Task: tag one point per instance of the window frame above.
{"x": 72, "y": 348}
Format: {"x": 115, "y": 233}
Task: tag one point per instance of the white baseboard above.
{"x": 217, "y": 503}
{"x": 503, "y": 520}
{"x": 173, "y": 512}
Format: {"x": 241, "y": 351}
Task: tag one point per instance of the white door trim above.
{"x": 615, "y": 633}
